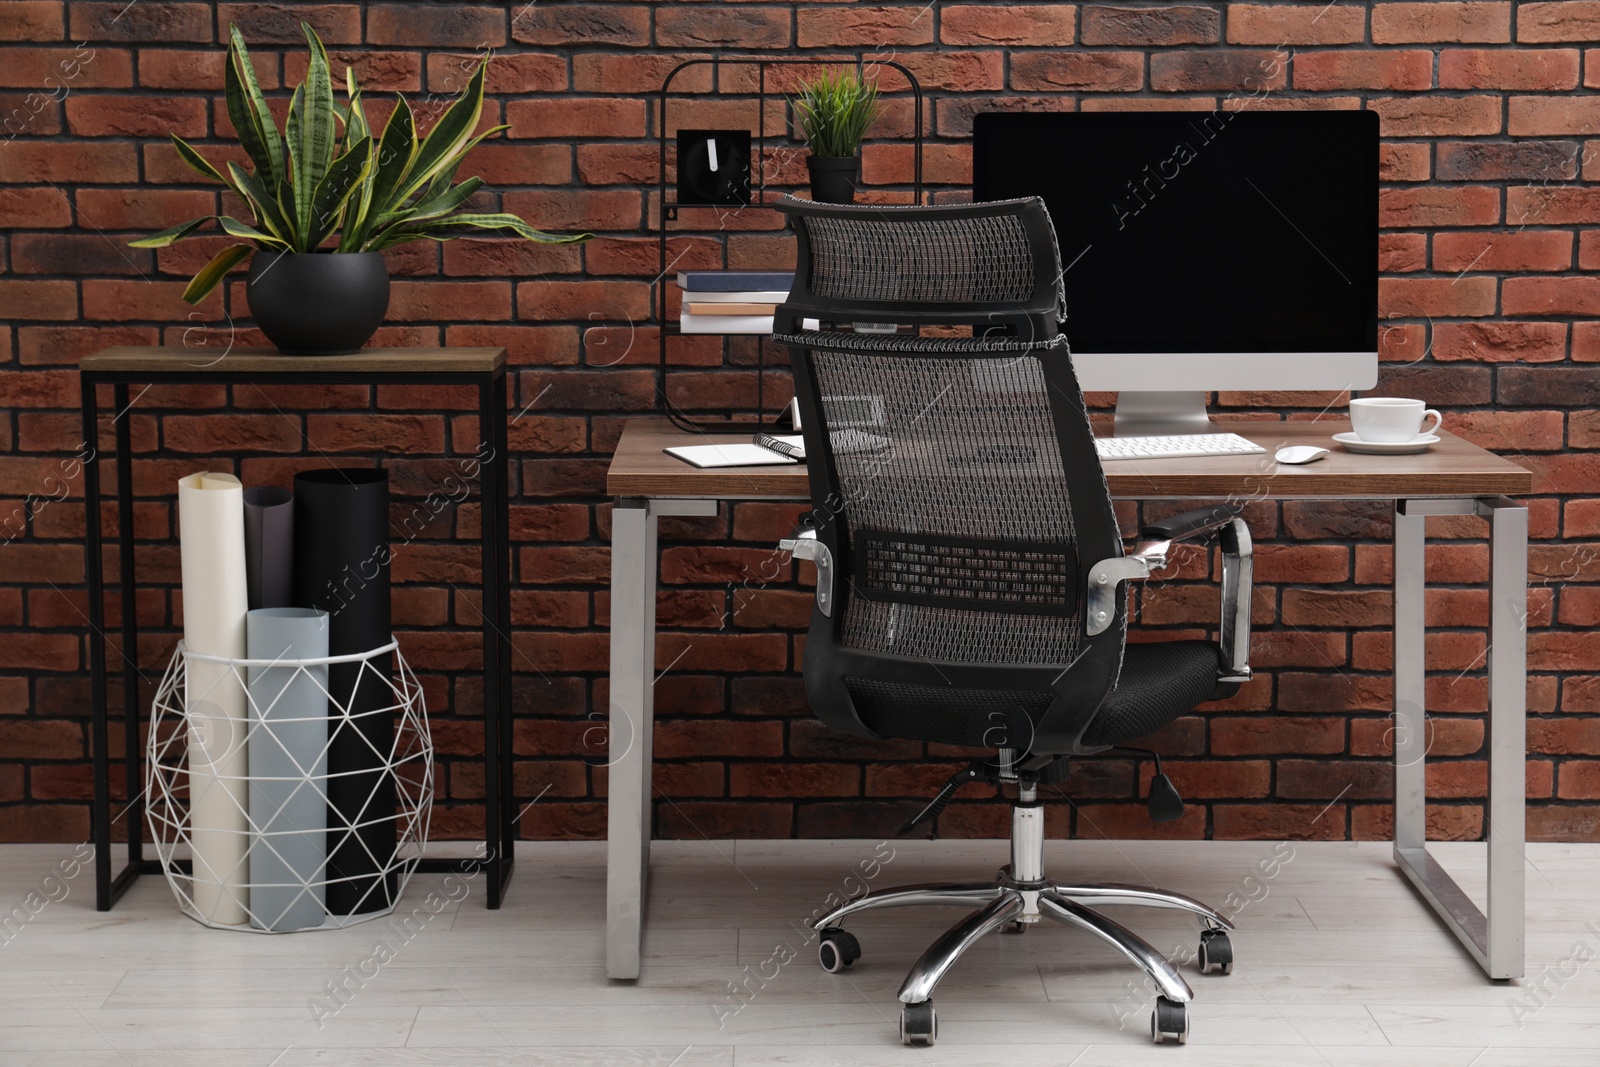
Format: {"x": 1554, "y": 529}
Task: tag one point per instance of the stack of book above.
{"x": 731, "y": 301}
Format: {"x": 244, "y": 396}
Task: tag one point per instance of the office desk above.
{"x": 1454, "y": 478}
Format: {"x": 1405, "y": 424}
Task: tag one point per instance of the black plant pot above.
{"x": 834, "y": 178}
{"x": 318, "y": 303}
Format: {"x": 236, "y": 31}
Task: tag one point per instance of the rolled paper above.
{"x": 211, "y": 549}
{"x": 341, "y": 553}
{"x": 269, "y": 546}
{"x": 288, "y": 769}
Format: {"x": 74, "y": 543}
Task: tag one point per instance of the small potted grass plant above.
{"x": 327, "y": 194}
{"x": 836, "y": 109}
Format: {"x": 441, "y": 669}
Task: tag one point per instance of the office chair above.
{"x": 970, "y": 572}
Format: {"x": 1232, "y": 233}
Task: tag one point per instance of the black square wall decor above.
{"x": 713, "y": 166}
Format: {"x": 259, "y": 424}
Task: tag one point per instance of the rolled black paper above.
{"x": 341, "y": 566}
{"x": 269, "y": 546}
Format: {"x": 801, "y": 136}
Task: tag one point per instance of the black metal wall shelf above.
{"x": 761, "y": 199}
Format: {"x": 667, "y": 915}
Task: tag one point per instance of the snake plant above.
{"x": 328, "y": 175}
{"x": 836, "y": 110}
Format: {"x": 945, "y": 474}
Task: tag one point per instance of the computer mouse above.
{"x": 1299, "y": 454}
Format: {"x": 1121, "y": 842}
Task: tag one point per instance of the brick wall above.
{"x": 1491, "y": 138}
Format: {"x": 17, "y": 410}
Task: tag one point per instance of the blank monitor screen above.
{"x": 1199, "y": 231}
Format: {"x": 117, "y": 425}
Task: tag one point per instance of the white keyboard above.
{"x": 1194, "y": 444}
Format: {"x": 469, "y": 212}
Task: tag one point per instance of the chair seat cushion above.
{"x": 1159, "y": 682}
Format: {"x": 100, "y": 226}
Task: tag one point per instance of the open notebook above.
{"x": 763, "y": 450}
{"x": 766, "y": 449}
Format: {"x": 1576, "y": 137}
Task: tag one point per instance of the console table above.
{"x": 481, "y": 368}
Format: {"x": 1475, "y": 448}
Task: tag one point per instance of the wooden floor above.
{"x": 1338, "y": 964}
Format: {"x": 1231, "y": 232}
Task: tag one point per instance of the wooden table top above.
{"x": 142, "y": 359}
{"x": 1451, "y": 468}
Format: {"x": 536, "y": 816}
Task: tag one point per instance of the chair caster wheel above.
{"x": 1015, "y": 926}
{"x": 1170, "y": 1019}
{"x": 837, "y": 949}
{"x": 919, "y": 1024}
{"x": 1216, "y": 952}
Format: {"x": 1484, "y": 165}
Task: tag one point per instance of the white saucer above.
{"x": 1386, "y": 448}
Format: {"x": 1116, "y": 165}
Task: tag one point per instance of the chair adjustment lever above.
{"x": 936, "y": 805}
{"x": 1164, "y": 803}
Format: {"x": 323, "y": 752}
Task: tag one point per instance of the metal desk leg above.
{"x": 632, "y": 721}
{"x": 1496, "y": 939}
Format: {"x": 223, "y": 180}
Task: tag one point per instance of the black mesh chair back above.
{"x": 954, "y": 477}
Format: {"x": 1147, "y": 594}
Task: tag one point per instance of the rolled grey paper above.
{"x": 288, "y": 769}
{"x": 341, "y": 553}
{"x": 269, "y": 546}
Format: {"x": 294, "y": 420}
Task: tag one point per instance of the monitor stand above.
{"x": 1151, "y": 414}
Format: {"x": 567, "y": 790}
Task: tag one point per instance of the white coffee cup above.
{"x": 1387, "y": 419}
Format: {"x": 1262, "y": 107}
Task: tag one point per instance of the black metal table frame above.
{"x": 499, "y": 816}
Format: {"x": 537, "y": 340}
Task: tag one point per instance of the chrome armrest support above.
{"x": 804, "y": 545}
{"x": 1105, "y": 576}
{"x": 1238, "y": 574}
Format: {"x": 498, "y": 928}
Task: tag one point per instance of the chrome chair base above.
{"x": 1013, "y": 901}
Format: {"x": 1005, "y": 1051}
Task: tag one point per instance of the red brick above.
{"x": 415, "y": 301}
{"x": 1437, "y": 116}
{"x": 1561, "y": 21}
{"x": 1551, "y": 296}
{"x": 1282, "y": 24}
{"x": 571, "y": 210}
{"x": 1403, "y": 162}
{"x": 843, "y": 27}
{"x": 1554, "y": 205}
{"x": 501, "y": 257}
{"x": 22, "y": 161}
{"x": 1050, "y": 25}
{"x": 376, "y": 72}
{"x": 1499, "y": 341}
{"x": 1188, "y": 72}
{"x": 793, "y": 779}
{"x": 577, "y": 117}
{"x": 1589, "y": 250}
{"x": 436, "y": 25}
{"x": 957, "y": 72}
{"x": 1586, "y": 341}
{"x": 1089, "y": 71}
{"x": 1500, "y": 160}
{"x": 37, "y": 300}
{"x": 1540, "y": 116}
{"x": 1579, "y": 780}
{"x": 1150, "y": 25}
{"x": 1418, "y": 297}
{"x": 111, "y": 210}
{"x": 136, "y": 116}
{"x": 741, "y": 26}
{"x": 274, "y": 23}
{"x": 576, "y": 300}
{"x": 516, "y": 72}
{"x": 33, "y": 208}
{"x": 144, "y": 21}
{"x": 1433, "y": 206}
{"x": 1266, "y": 822}
{"x": 1404, "y": 23}
{"x": 31, "y": 20}
{"x": 1395, "y": 70}
{"x": 1508, "y": 68}
{"x": 170, "y": 68}
{"x": 58, "y": 71}
{"x": 1402, "y": 252}
{"x": 1527, "y": 250}
{"x": 585, "y": 25}
{"x": 39, "y": 652}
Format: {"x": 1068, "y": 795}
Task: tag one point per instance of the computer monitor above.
{"x": 1202, "y": 250}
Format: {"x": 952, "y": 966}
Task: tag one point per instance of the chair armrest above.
{"x": 1238, "y": 576}
{"x": 1191, "y": 523}
{"x": 804, "y": 545}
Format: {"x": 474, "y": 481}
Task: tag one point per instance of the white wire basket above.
{"x": 270, "y": 879}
